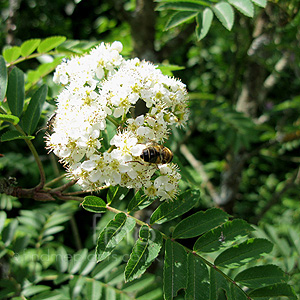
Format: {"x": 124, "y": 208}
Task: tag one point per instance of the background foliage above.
{"x": 240, "y": 152}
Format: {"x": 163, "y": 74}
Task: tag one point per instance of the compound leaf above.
{"x": 112, "y": 235}
{"x": 225, "y": 14}
{"x": 50, "y": 43}
{"x": 204, "y": 23}
{"x": 244, "y": 252}
{"x": 145, "y": 250}
{"x": 170, "y": 210}
{"x": 199, "y": 223}
{"x": 94, "y": 204}
{"x": 175, "y": 269}
{"x": 197, "y": 287}
{"x": 29, "y": 46}
{"x": 179, "y": 18}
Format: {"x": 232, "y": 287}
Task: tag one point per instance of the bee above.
{"x": 155, "y": 153}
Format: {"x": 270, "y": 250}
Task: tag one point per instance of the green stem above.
{"x": 112, "y": 120}
{"x": 36, "y": 157}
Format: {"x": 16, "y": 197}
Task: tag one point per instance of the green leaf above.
{"x": 167, "y": 69}
{"x": 116, "y": 193}
{"x": 139, "y": 284}
{"x": 14, "y": 135}
{"x": 260, "y": 276}
{"x": 112, "y": 235}
{"x": 175, "y": 269}
{"x": 76, "y": 285}
{"x": 77, "y": 260}
{"x": 93, "y": 290}
{"x": 9, "y": 231}
{"x": 170, "y": 210}
{"x": 197, "y": 287}
{"x": 50, "y": 43}
{"x": 9, "y": 118}
{"x": 49, "y": 295}
{"x": 243, "y": 253}
{"x": 94, "y": 204}
{"x": 199, "y": 223}
{"x": 245, "y": 7}
{"x": 276, "y": 290}
{"x": 11, "y": 54}
{"x": 8, "y": 289}
{"x": 261, "y": 3}
{"x": 106, "y": 267}
{"x": 3, "y": 78}
{"x": 145, "y": 250}
{"x": 36, "y": 289}
{"x": 34, "y": 110}
{"x": 15, "y": 91}
{"x": 29, "y": 46}
{"x": 179, "y": 18}
{"x": 138, "y": 202}
{"x": 88, "y": 265}
{"x": 212, "y": 240}
{"x": 2, "y": 220}
{"x": 116, "y": 276}
{"x": 203, "y": 25}
{"x": 225, "y": 14}
{"x": 61, "y": 261}
{"x": 180, "y": 5}
{"x": 218, "y": 282}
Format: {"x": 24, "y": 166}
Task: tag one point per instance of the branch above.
{"x": 198, "y": 166}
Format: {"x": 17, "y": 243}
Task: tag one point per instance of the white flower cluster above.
{"x": 102, "y": 86}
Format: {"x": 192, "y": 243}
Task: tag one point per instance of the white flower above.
{"x": 100, "y": 89}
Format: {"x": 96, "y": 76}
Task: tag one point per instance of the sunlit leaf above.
{"x": 9, "y": 231}
{"x": 36, "y": 289}
{"x": 78, "y": 258}
{"x": 259, "y": 276}
{"x": 29, "y": 46}
{"x": 181, "y": 5}
{"x": 170, "y": 210}
{"x": 9, "y": 118}
{"x": 94, "y": 204}
{"x": 3, "y": 78}
{"x": 11, "y": 54}
{"x": 199, "y": 223}
{"x": 145, "y": 250}
{"x": 204, "y": 21}
{"x": 225, "y": 14}
{"x": 261, "y": 3}
{"x": 14, "y": 135}
{"x": 175, "y": 269}
{"x": 50, "y": 43}
{"x": 179, "y": 18}
{"x": 112, "y": 235}
{"x": 2, "y": 219}
{"x": 243, "y": 253}
{"x": 139, "y": 202}
{"x": 212, "y": 240}
{"x": 197, "y": 277}
{"x": 93, "y": 290}
{"x": 62, "y": 261}
{"x": 106, "y": 267}
{"x": 245, "y": 7}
